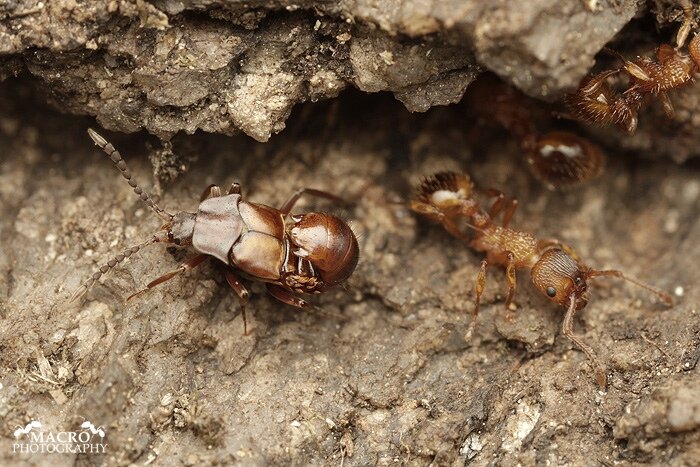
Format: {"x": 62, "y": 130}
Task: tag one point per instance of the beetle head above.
{"x": 328, "y": 243}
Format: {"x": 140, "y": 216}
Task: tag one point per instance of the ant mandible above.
{"x": 555, "y": 269}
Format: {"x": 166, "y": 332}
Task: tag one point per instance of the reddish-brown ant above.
{"x": 555, "y": 269}
{"x": 596, "y": 102}
{"x": 308, "y": 255}
{"x": 559, "y": 159}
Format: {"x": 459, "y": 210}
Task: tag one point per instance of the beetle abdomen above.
{"x": 259, "y": 255}
{"x": 260, "y": 250}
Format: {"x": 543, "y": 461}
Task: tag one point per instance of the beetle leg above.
{"x": 510, "y": 275}
{"x": 289, "y": 204}
{"x": 191, "y": 263}
{"x": 285, "y": 296}
{"x": 479, "y": 289}
{"x": 235, "y": 189}
{"x": 243, "y": 295}
{"x": 212, "y": 191}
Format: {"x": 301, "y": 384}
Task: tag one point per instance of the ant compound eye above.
{"x": 551, "y": 291}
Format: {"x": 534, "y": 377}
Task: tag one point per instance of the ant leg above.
{"x": 444, "y": 217}
{"x": 452, "y": 228}
{"x": 510, "y": 275}
{"x": 502, "y": 204}
{"x": 666, "y": 102}
{"x": 285, "y": 296}
{"x": 684, "y": 30}
{"x": 242, "y": 293}
{"x": 191, "y": 263}
{"x": 509, "y": 212}
{"x": 497, "y": 205}
{"x": 478, "y": 289}
{"x": 212, "y": 191}
{"x": 567, "y": 329}
{"x": 289, "y": 204}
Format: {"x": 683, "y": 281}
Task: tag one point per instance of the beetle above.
{"x": 292, "y": 254}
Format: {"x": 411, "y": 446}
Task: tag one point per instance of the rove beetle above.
{"x": 313, "y": 252}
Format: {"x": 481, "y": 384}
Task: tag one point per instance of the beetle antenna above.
{"x": 666, "y": 298}
{"x": 113, "y": 154}
{"x": 111, "y": 264}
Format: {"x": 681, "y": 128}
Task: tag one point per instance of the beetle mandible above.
{"x": 313, "y": 252}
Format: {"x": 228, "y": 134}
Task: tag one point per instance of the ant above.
{"x": 596, "y": 102}
{"x": 559, "y": 159}
{"x": 555, "y": 269}
{"x": 313, "y": 252}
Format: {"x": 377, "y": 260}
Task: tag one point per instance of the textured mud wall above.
{"x": 229, "y": 66}
{"x": 380, "y": 374}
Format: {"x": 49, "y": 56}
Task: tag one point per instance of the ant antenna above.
{"x": 112, "y": 263}
{"x": 666, "y": 298}
{"x": 113, "y": 154}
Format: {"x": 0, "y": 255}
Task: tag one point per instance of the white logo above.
{"x": 95, "y": 431}
{"x": 30, "y": 426}
{"x": 32, "y": 439}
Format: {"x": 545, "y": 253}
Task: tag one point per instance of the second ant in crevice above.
{"x": 558, "y": 158}
{"x": 597, "y": 102}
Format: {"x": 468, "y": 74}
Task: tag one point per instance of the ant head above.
{"x": 559, "y": 277}
{"x": 180, "y": 228}
{"x": 328, "y": 243}
{"x": 563, "y": 279}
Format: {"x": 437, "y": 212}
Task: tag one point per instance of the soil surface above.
{"x": 379, "y": 373}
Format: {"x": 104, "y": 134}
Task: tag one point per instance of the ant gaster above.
{"x": 559, "y": 159}
{"x": 555, "y": 269}
{"x": 308, "y": 255}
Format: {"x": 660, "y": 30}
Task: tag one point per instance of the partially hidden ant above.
{"x": 313, "y": 252}
{"x": 559, "y": 159}
{"x": 556, "y": 270}
{"x": 596, "y": 102}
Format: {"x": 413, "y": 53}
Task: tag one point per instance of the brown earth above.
{"x": 379, "y": 374}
